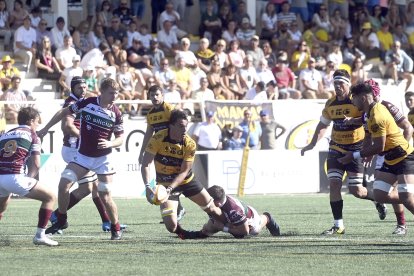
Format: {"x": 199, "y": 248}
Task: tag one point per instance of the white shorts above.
{"x": 100, "y": 165}
{"x": 254, "y": 222}
{"x": 19, "y": 184}
{"x": 68, "y": 153}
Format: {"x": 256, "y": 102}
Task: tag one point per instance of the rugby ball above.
{"x": 160, "y": 195}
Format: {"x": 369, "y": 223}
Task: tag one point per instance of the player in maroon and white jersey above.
{"x": 70, "y": 126}
{"x": 20, "y": 147}
{"x": 99, "y": 119}
{"x": 241, "y": 219}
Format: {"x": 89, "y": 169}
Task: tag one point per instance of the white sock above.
{"x": 40, "y": 232}
{"x": 339, "y": 223}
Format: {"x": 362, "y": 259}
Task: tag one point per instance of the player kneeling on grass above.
{"x": 20, "y": 147}
{"x": 241, "y": 220}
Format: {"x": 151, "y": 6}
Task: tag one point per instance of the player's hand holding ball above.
{"x": 159, "y": 195}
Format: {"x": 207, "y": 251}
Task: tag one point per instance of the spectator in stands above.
{"x": 401, "y": 36}
{"x": 59, "y": 32}
{"x": 116, "y": 32}
{"x": 92, "y": 89}
{"x": 255, "y": 51}
{"x": 186, "y": 54}
{"x": 41, "y": 32}
{"x": 241, "y": 14}
{"x": 270, "y": 131}
{"x": 124, "y": 13}
{"x": 236, "y": 142}
{"x": 268, "y": 54}
{"x": 300, "y": 58}
{"x": 183, "y": 77}
{"x": 64, "y": 55}
{"x": 269, "y": 22}
{"x": 409, "y": 18}
{"x": 285, "y": 15}
{"x": 98, "y": 58}
{"x": 248, "y": 74}
{"x": 285, "y": 78}
{"x": 314, "y": 6}
{"x": 272, "y": 91}
{"x": 251, "y": 129}
{"x": 155, "y": 54}
{"x": 81, "y": 38}
{"x": 4, "y": 25}
{"x": 7, "y": 72}
{"x": 35, "y": 16}
{"x": 105, "y": 14}
{"x": 210, "y": 26}
{"x": 245, "y": 33}
{"x": 264, "y": 74}
{"x": 136, "y": 55}
{"x": 358, "y": 73}
{"x": 394, "y": 18}
{"x": 295, "y": 34}
{"x": 335, "y": 55}
{"x": 323, "y": 23}
{"x": 283, "y": 40}
{"x": 311, "y": 84}
{"x": 171, "y": 93}
{"x": 164, "y": 74}
{"x": 117, "y": 55}
{"x": 25, "y": 42}
{"x": 204, "y": 55}
{"x": 236, "y": 55}
{"x": 171, "y": 15}
{"x": 257, "y": 93}
{"x": 14, "y": 93}
{"x": 327, "y": 77}
{"x": 350, "y": 52}
{"x": 144, "y": 36}
{"x": 376, "y": 19}
{"x": 220, "y": 53}
{"x": 317, "y": 54}
{"x": 157, "y": 8}
{"x": 229, "y": 34}
{"x": 339, "y": 26}
{"x": 168, "y": 39}
{"x": 18, "y": 15}
{"x": 385, "y": 37}
{"x": 203, "y": 93}
{"x": 46, "y": 64}
{"x": 97, "y": 34}
{"x": 207, "y": 134}
{"x": 368, "y": 38}
{"x": 399, "y": 65}
{"x": 127, "y": 85}
{"x": 225, "y": 15}
{"x": 132, "y": 32}
{"x": 215, "y": 83}
{"x": 69, "y": 73}
{"x": 232, "y": 83}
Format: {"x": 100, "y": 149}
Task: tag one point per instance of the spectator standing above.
{"x": 236, "y": 142}
{"x": 124, "y": 13}
{"x": 251, "y": 130}
{"x": 210, "y": 26}
{"x": 207, "y": 135}
{"x": 157, "y": 7}
{"x": 270, "y": 131}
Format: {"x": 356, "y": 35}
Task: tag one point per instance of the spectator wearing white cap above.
{"x": 25, "y": 42}
{"x": 69, "y": 73}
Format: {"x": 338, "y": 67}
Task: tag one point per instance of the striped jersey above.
{"x": 236, "y": 211}
{"x": 16, "y": 146}
{"x": 71, "y": 141}
{"x": 96, "y": 123}
{"x": 158, "y": 117}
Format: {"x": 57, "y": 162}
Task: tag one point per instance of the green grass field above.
{"x": 367, "y": 248}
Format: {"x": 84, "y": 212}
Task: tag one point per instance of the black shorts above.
{"x": 190, "y": 189}
{"x": 404, "y": 167}
{"x": 354, "y": 166}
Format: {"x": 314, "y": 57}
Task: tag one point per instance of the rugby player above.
{"x": 20, "y": 147}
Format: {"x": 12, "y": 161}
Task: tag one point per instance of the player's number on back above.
{"x": 10, "y": 148}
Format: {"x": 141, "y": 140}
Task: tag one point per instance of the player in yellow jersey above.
{"x": 344, "y": 138}
{"x": 172, "y": 151}
{"x": 386, "y": 139}
{"x": 409, "y": 101}
{"x": 157, "y": 119}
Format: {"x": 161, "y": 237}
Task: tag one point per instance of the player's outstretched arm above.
{"x": 319, "y": 133}
{"x": 55, "y": 119}
{"x": 145, "y": 173}
{"x": 147, "y": 136}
